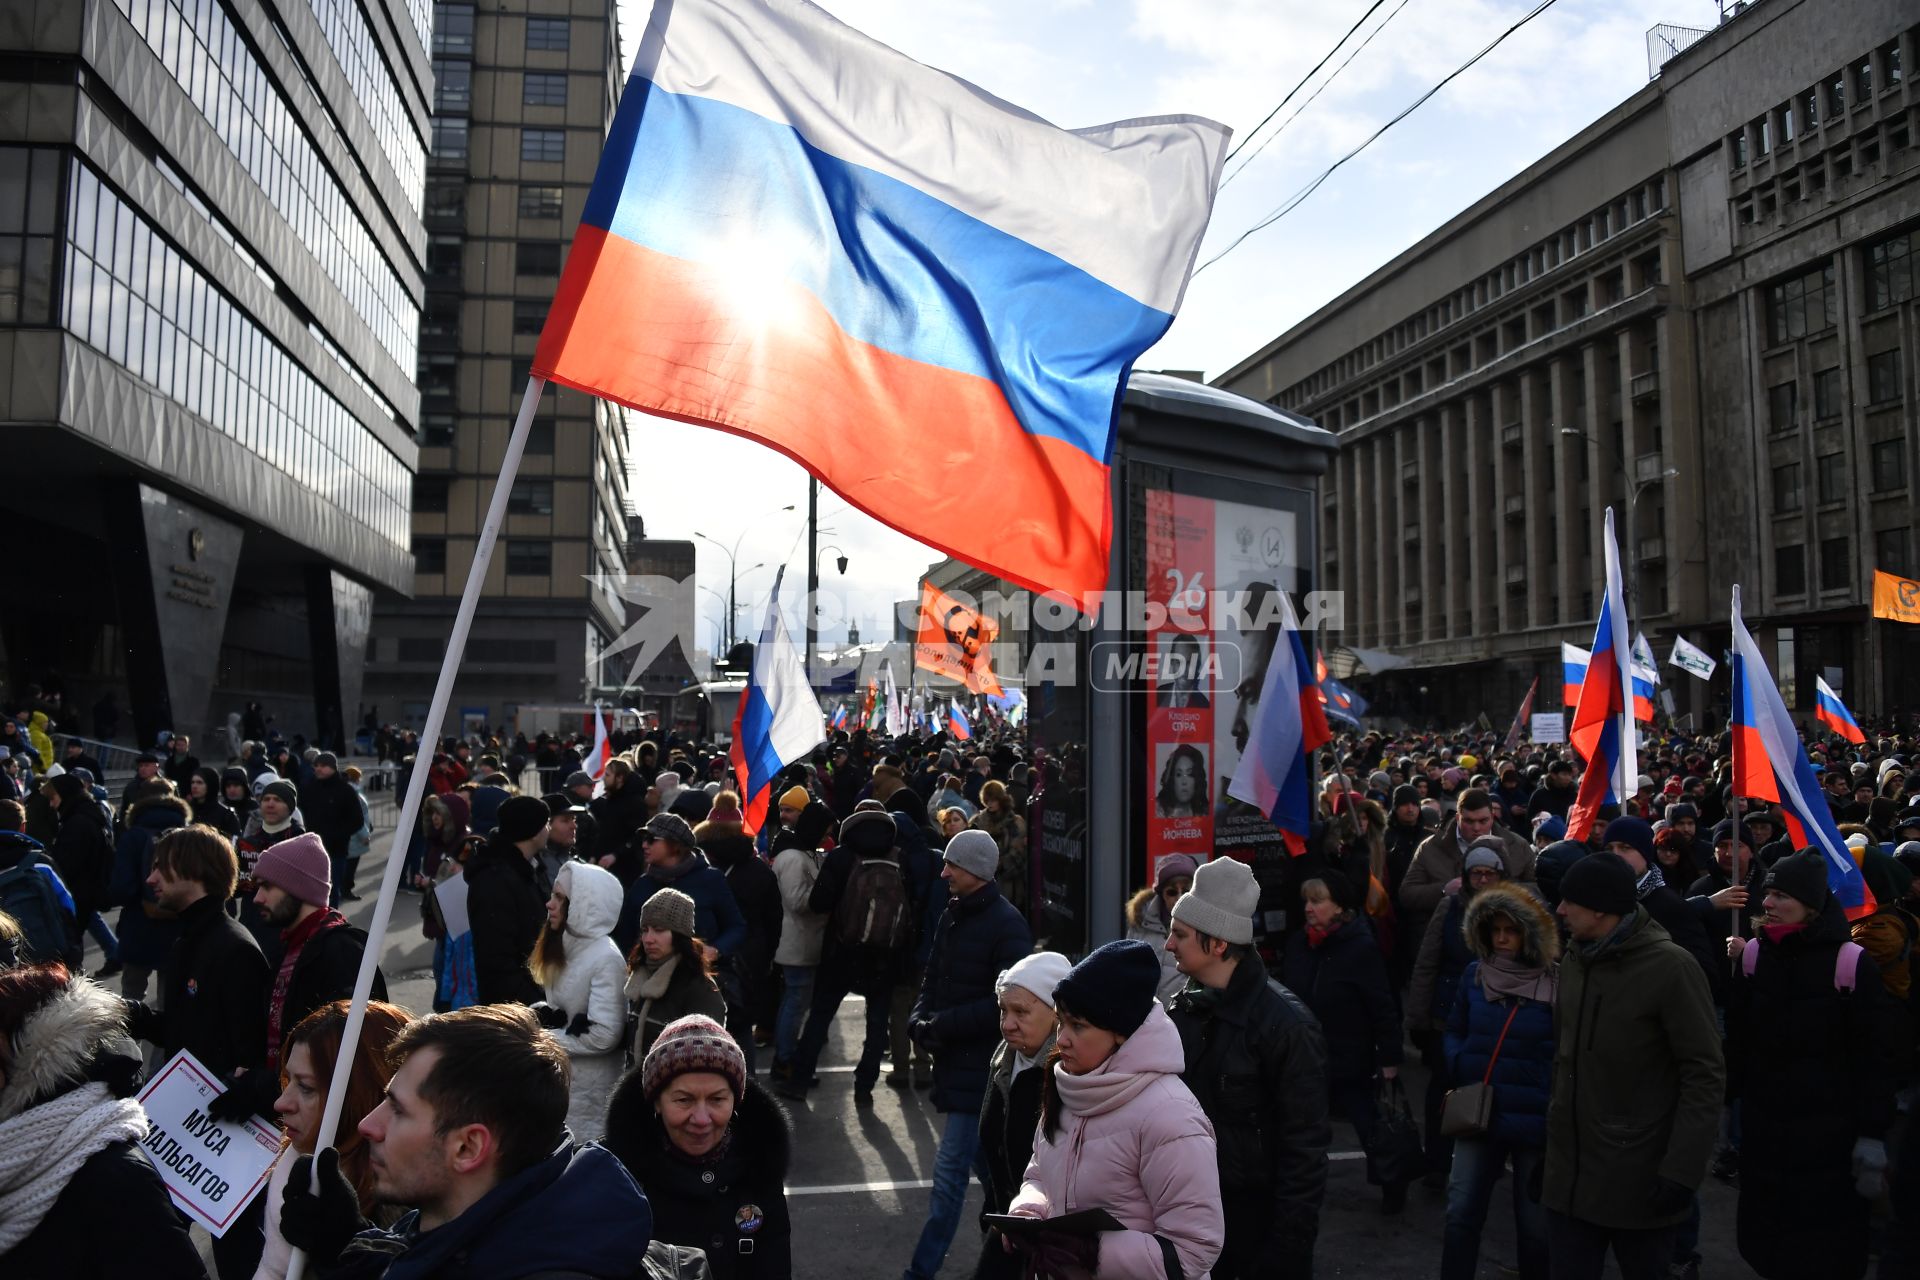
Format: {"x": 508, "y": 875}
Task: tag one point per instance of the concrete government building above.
{"x": 211, "y": 256}
{"x": 1701, "y": 310}
{"x": 524, "y": 91}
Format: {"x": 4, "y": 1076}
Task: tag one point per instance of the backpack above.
{"x": 875, "y": 911}
{"x": 1846, "y": 964}
{"x": 28, "y": 895}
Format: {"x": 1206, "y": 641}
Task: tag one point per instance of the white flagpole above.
{"x": 417, "y": 783}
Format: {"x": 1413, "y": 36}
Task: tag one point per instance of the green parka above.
{"x": 1638, "y": 1078}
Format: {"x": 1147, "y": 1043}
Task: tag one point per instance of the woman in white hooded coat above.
{"x": 578, "y": 965}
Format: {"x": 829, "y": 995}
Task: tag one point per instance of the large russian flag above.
{"x": 798, "y": 235}
{"x": 779, "y": 720}
{"x": 1833, "y": 713}
{"x": 1770, "y": 763}
{"x": 1603, "y": 729}
{"x": 1573, "y": 673}
{"x": 1290, "y": 724}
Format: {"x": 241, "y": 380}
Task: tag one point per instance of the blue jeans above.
{"x": 103, "y": 934}
{"x": 1477, "y": 1165}
{"x": 959, "y": 1155}
{"x": 795, "y": 995}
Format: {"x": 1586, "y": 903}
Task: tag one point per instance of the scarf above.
{"x": 1779, "y": 933}
{"x": 1621, "y": 931}
{"x": 296, "y": 940}
{"x": 1316, "y": 935}
{"x": 43, "y": 1147}
{"x": 1504, "y": 977}
{"x": 645, "y": 985}
{"x": 1649, "y": 882}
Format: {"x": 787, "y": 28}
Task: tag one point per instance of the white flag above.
{"x": 1691, "y": 659}
{"x": 1643, "y": 657}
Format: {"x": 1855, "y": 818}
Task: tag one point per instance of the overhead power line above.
{"x": 1318, "y": 89}
{"x": 1252, "y": 133}
{"x": 1293, "y": 202}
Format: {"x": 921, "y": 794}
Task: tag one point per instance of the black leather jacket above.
{"x": 1257, "y": 1062}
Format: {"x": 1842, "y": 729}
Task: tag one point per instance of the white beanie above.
{"x": 1039, "y": 973}
{"x": 1222, "y": 901}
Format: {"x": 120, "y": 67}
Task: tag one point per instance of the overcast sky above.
{"x": 1085, "y": 62}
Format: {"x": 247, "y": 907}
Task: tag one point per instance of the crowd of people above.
{"x": 1605, "y": 1024}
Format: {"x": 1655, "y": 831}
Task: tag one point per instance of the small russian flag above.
{"x": 1274, "y": 775}
{"x": 957, "y": 724}
{"x": 1573, "y": 673}
{"x": 1833, "y": 713}
{"x": 1603, "y": 728}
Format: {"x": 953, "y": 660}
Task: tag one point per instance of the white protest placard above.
{"x": 451, "y": 897}
{"x": 1549, "y": 726}
{"x": 212, "y": 1169}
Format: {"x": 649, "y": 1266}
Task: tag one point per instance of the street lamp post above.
{"x": 1634, "y": 489}
{"x": 732, "y": 553}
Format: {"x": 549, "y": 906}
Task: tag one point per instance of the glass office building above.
{"x": 211, "y": 279}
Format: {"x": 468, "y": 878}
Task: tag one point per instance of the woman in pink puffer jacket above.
{"x": 1119, "y": 1131}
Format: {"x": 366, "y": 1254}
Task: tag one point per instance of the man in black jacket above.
{"x": 957, "y": 1016}
{"x": 320, "y": 962}
{"x": 846, "y": 968}
{"x": 1257, "y": 1062}
{"x": 504, "y": 904}
{"x": 216, "y": 986}
{"x": 331, "y": 810}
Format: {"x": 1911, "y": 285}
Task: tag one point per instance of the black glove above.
{"x": 322, "y": 1223}
{"x": 551, "y": 1018}
{"x": 1668, "y": 1198}
{"x": 236, "y": 1104}
{"x": 579, "y": 1026}
{"x": 1057, "y": 1254}
{"x": 921, "y": 1032}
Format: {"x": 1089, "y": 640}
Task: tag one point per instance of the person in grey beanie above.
{"x": 957, "y": 1016}
{"x": 1237, "y": 1024}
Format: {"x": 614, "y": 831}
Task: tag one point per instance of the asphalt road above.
{"x": 858, "y": 1187}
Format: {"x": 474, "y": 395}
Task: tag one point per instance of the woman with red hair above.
{"x": 306, "y": 1074}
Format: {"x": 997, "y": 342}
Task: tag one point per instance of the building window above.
{"x": 1799, "y": 306}
{"x": 540, "y": 437}
{"x": 1789, "y": 570}
{"x": 1786, "y": 489}
{"x": 536, "y": 258}
{"x": 1826, "y": 394}
{"x": 430, "y": 556}
{"x": 1837, "y": 97}
{"x": 446, "y": 199}
{"x": 1786, "y": 669}
{"x": 430, "y": 491}
{"x": 544, "y": 89}
{"x": 452, "y": 85}
{"x": 1836, "y": 564}
{"x": 1890, "y": 59}
{"x": 29, "y": 206}
{"x": 543, "y": 146}
{"x": 1831, "y": 472}
{"x": 1883, "y": 377}
{"x": 1737, "y": 148}
{"x": 1889, "y": 459}
{"x": 436, "y": 429}
{"x": 548, "y": 33}
{"x": 539, "y": 201}
{"x": 453, "y": 29}
{"x": 1863, "y": 80}
{"x": 450, "y": 138}
{"x": 1810, "y": 109}
{"x": 443, "y": 255}
{"x": 1783, "y": 400}
{"x": 1892, "y": 551}
{"x": 529, "y": 315}
{"x": 531, "y": 498}
{"x": 1890, "y": 271}
{"x": 529, "y": 557}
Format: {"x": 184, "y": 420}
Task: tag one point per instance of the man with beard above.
{"x": 319, "y": 965}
